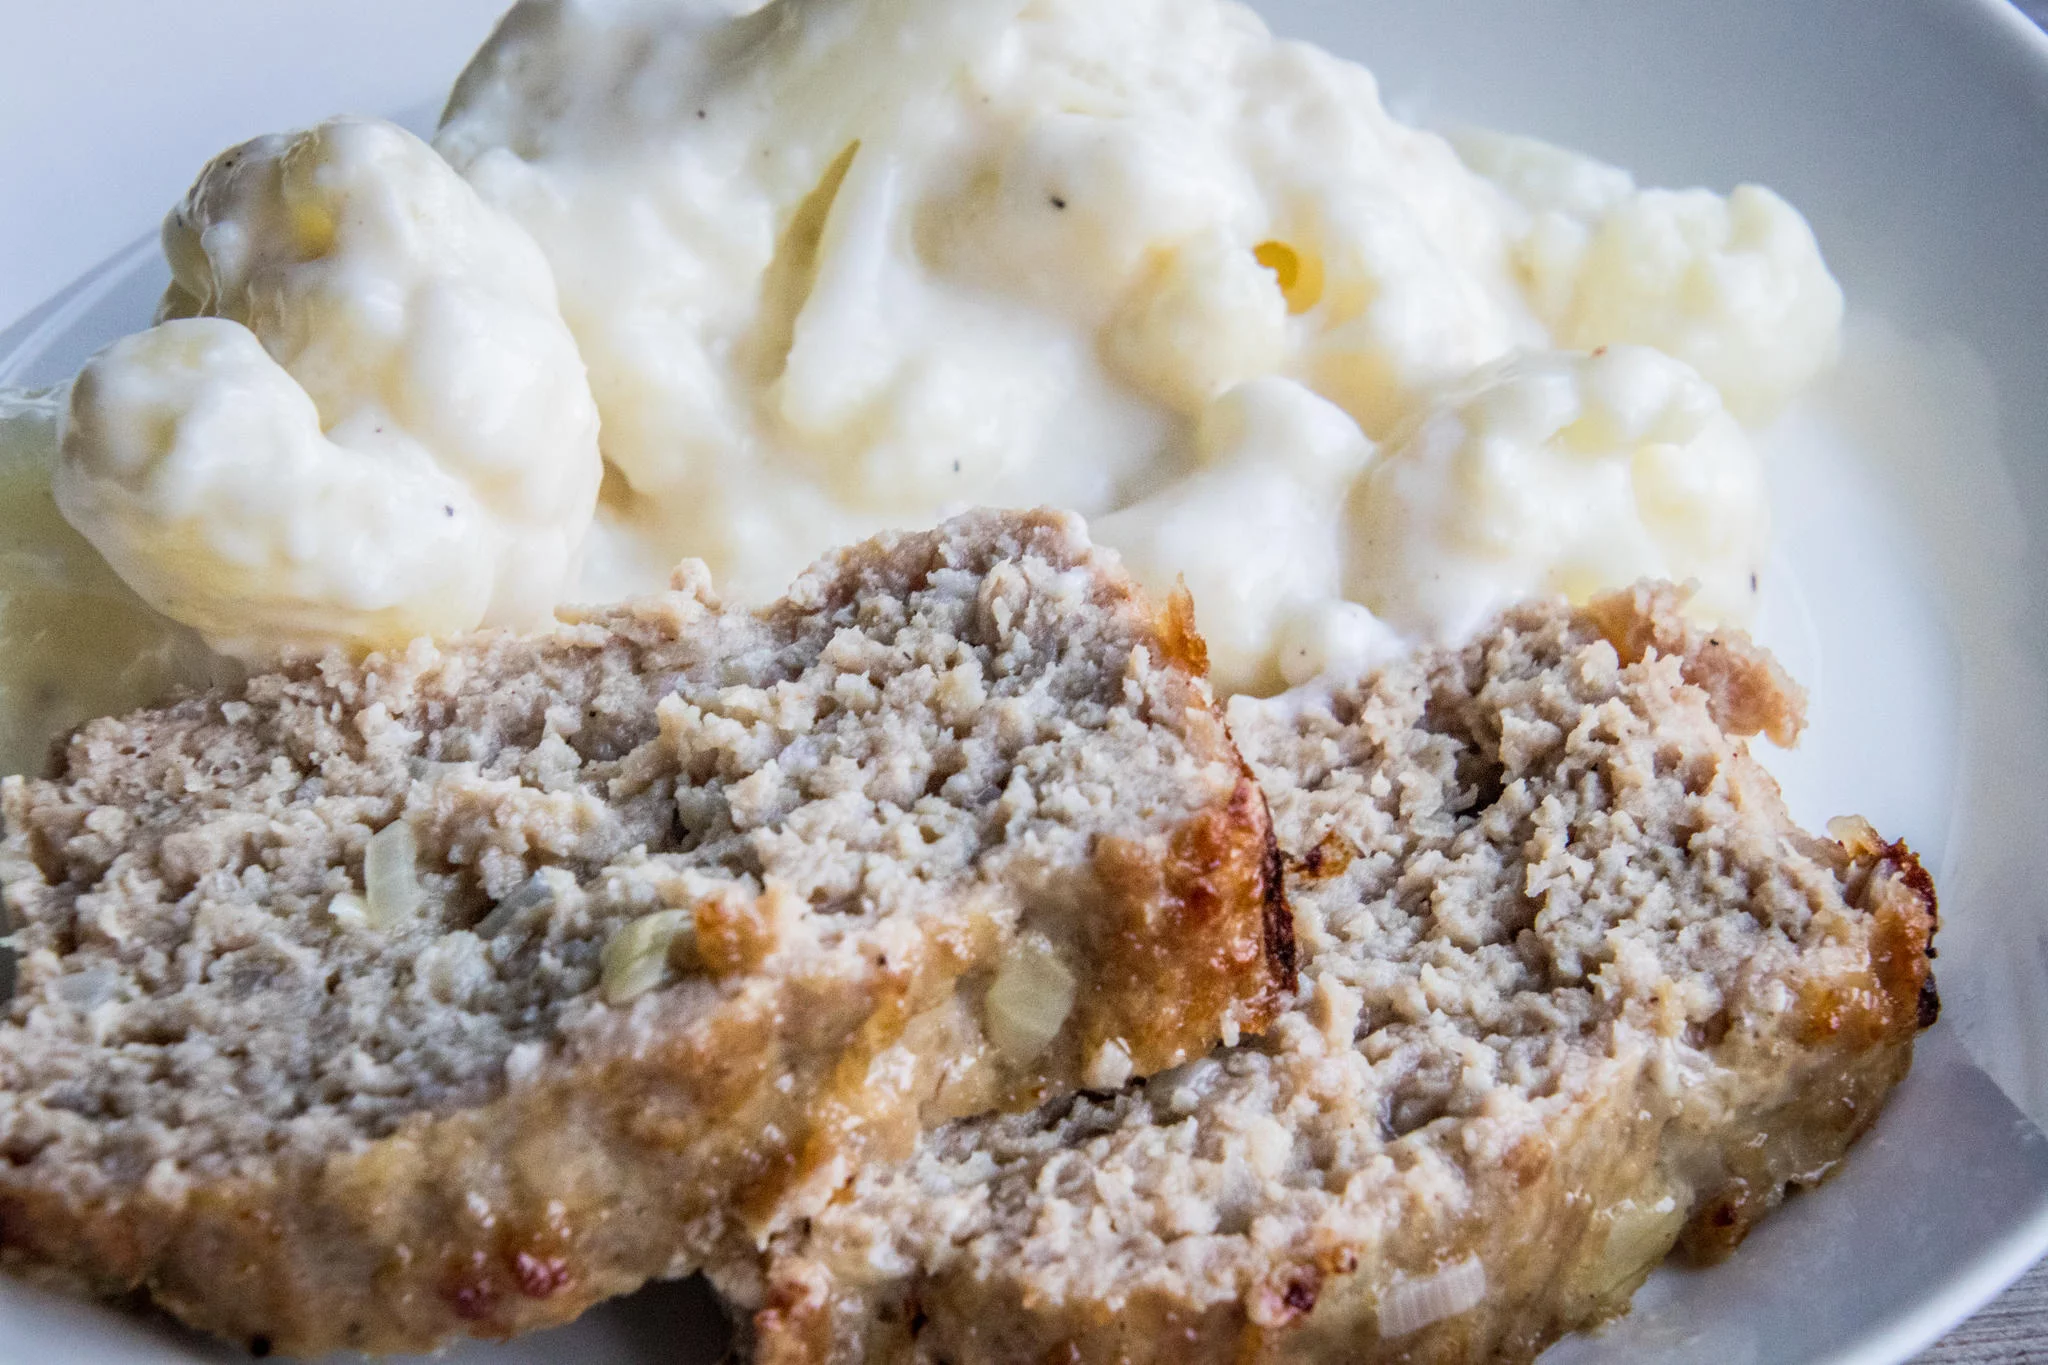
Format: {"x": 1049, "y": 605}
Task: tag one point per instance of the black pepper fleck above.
{"x": 1058, "y": 202}
{"x": 446, "y": 510}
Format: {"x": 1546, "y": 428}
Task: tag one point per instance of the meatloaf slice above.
{"x": 1574, "y": 990}
{"x": 371, "y": 1004}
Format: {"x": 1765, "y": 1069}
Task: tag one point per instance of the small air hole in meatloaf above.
{"x": 448, "y": 992}
{"x": 1574, "y": 990}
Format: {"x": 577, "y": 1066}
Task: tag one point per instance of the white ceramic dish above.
{"x": 1911, "y": 495}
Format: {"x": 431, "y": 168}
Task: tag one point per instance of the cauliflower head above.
{"x": 360, "y": 418}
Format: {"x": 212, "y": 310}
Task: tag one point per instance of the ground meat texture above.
{"x": 374, "y": 1003}
{"x": 1575, "y": 990}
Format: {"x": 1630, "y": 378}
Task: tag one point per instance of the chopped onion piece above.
{"x": 391, "y": 883}
{"x": 1640, "y": 1233}
{"x": 638, "y": 955}
{"x": 1030, "y": 1000}
{"x": 1413, "y": 1305}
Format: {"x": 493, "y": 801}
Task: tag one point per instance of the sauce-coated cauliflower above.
{"x": 1257, "y": 533}
{"x": 1734, "y": 286}
{"x": 1566, "y": 474}
{"x": 360, "y": 419}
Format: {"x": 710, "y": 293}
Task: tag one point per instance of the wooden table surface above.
{"x": 2014, "y": 1326}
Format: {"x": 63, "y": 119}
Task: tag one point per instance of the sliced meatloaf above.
{"x": 373, "y": 1003}
{"x": 1574, "y": 990}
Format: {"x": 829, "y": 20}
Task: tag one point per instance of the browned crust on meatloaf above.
{"x": 1462, "y": 1142}
{"x": 548, "y": 1148}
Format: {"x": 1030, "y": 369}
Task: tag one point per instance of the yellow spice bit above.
{"x": 1301, "y": 279}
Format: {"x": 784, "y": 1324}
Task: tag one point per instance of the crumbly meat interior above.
{"x": 861, "y": 800}
{"x": 1574, "y": 987}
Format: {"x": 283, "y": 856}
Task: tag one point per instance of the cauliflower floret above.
{"x": 1206, "y": 317}
{"x": 1733, "y": 286}
{"x": 846, "y": 264}
{"x": 360, "y": 419}
{"x": 1560, "y": 474}
{"x": 74, "y": 641}
{"x": 1256, "y": 533}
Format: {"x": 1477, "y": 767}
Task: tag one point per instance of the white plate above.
{"x": 1911, "y": 496}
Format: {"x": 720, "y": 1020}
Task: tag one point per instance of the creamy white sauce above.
{"x": 835, "y": 266}
{"x": 1256, "y": 531}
